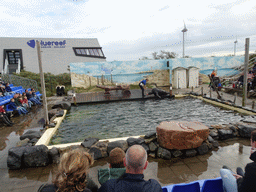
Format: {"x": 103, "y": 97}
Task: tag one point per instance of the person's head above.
{"x": 116, "y": 157}
{"x": 12, "y": 100}
{"x": 135, "y": 159}
{"x": 147, "y": 79}
{"x": 26, "y": 91}
{"x": 72, "y": 170}
{"x": 25, "y": 97}
{"x": 253, "y": 138}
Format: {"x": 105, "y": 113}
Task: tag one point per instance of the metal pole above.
{"x": 235, "y": 98}
{"x": 210, "y": 92}
{"x": 183, "y": 46}
{"x": 42, "y": 84}
{"x": 202, "y": 91}
{"x": 246, "y": 60}
{"x": 253, "y": 104}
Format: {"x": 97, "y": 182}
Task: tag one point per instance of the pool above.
{"x": 122, "y": 119}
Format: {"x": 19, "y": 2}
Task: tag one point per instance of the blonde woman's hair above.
{"x": 72, "y": 171}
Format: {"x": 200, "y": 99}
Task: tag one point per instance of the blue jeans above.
{"x": 22, "y": 110}
{"x": 229, "y": 181}
{"x": 34, "y": 100}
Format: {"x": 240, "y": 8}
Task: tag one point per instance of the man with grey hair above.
{"x": 135, "y": 162}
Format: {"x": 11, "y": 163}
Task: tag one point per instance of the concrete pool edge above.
{"x": 48, "y": 134}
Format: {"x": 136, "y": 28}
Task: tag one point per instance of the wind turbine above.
{"x": 184, "y": 31}
{"x": 235, "y": 46}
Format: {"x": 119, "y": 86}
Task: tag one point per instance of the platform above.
{"x": 116, "y": 95}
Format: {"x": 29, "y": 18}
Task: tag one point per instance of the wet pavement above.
{"x": 233, "y": 152}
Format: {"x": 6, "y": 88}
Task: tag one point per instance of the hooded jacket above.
{"x": 248, "y": 182}
{"x": 110, "y": 173}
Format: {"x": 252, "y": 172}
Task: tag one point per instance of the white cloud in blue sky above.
{"x": 128, "y": 30}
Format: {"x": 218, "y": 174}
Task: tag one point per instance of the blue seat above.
{"x": 11, "y": 85}
{"x": 191, "y": 187}
{"x": 212, "y": 185}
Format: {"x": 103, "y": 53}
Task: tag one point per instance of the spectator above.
{"x": 21, "y": 110}
{"x": 8, "y": 90}
{"x": 26, "y": 102}
{"x": 5, "y": 117}
{"x": 243, "y": 181}
{"x": 72, "y": 173}
{"x": 116, "y": 167}
{"x": 135, "y": 162}
{"x": 34, "y": 94}
{"x": 31, "y": 98}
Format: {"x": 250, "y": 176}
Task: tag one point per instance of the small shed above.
{"x": 192, "y": 76}
{"x": 179, "y": 78}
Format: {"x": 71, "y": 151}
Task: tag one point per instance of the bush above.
{"x": 51, "y": 81}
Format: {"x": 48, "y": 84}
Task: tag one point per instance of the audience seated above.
{"x": 116, "y": 167}
{"x": 135, "y": 162}
{"x": 241, "y": 182}
{"x": 31, "y": 98}
{"x": 8, "y": 89}
{"x": 5, "y": 116}
{"x": 21, "y": 110}
{"x": 72, "y": 173}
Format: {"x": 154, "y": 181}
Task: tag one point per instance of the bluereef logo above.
{"x": 31, "y": 43}
{"x": 48, "y": 44}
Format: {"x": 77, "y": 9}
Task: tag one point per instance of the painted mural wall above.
{"x": 132, "y": 72}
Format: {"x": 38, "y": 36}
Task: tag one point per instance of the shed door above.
{"x": 193, "y": 78}
{"x": 181, "y": 75}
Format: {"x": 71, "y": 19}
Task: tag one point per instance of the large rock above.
{"x": 245, "y": 130}
{"x": 152, "y": 147}
{"x": 52, "y": 112}
{"x": 62, "y": 104}
{"x": 36, "y": 156}
{"x": 225, "y": 134}
{"x": 181, "y": 135}
{"x": 176, "y": 153}
{"x": 95, "y": 152}
{"x": 164, "y": 153}
{"x": 88, "y": 142}
{"x": 190, "y": 153}
{"x": 135, "y": 141}
{"x": 121, "y": 144}
{"x": 149, "y": 135}
{"x": 103, "y": 148}
{"x": 203, "y": 149}
{"x": 22, "y": 142}
{"x": 31, "y": 135}
{"x": 145, "y": 146}
{"x": 15, "y": 156}
{"x": 54, "y": 155}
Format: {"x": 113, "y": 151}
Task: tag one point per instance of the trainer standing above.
{"x": 142, "y": 85}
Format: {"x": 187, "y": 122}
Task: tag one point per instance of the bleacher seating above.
{"x": 6, "y": 99}
{"x": 207, "y": 185}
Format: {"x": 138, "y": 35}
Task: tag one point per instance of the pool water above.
{"x": 122, "y": 119}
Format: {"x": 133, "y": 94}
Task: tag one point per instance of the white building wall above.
{"x": 193, "y": 77}
{"x": 54, "y": 60}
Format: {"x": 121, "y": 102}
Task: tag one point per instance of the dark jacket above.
{"x": 28, "y": 95}
{"x": 8, "y": 89}
{"x": 131, "y": 182}
{"x": 110, "y": 173}
{"x": 248, "y": 182}
{"x": 12, "y": 106}
{"x": 53, "y": 188}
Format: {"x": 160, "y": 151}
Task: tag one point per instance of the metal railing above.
{"x": 20, "y": 81}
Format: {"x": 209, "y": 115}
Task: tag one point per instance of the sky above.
{"x": 131, "y": 30}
